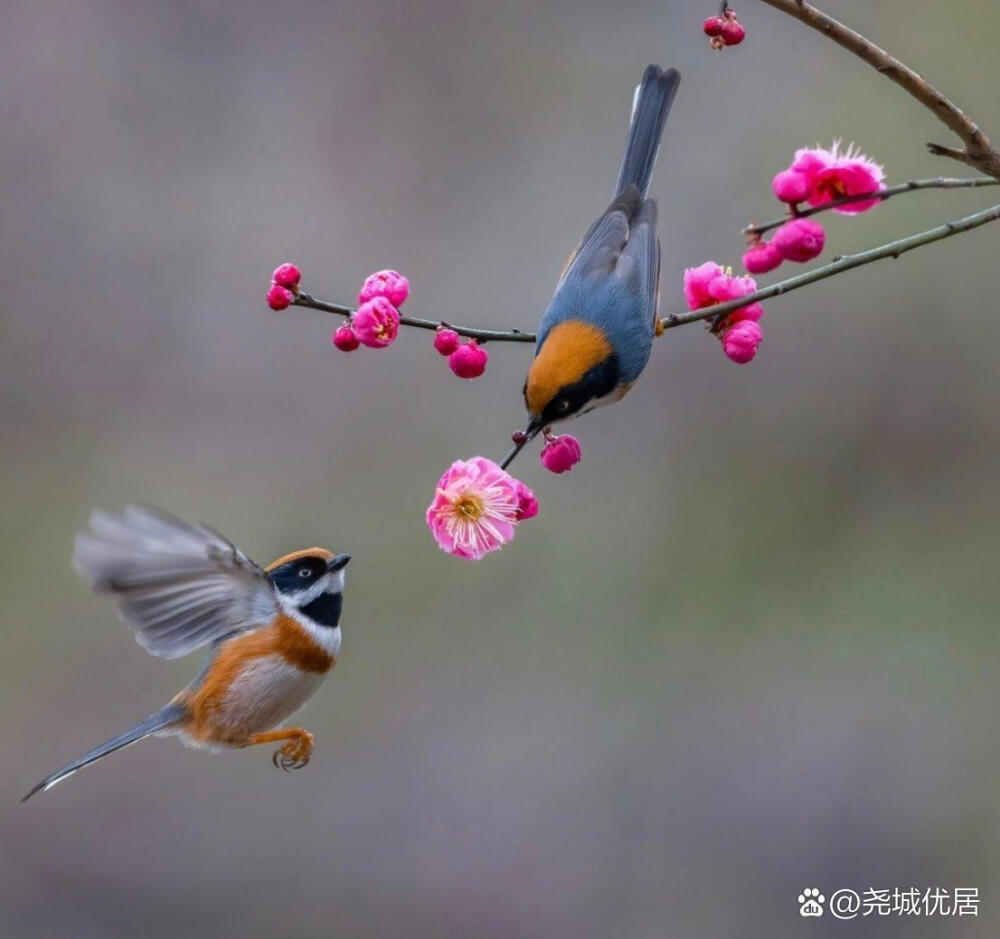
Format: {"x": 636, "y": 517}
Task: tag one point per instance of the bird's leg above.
{"x": 296, "y": 751}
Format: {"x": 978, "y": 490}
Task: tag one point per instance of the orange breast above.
{"x": 570, "y": 350}
{"x": 284, "y": 638}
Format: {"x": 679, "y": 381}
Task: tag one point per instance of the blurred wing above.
{"x": 599, "y": 250}
{"x": 179, "y": 586}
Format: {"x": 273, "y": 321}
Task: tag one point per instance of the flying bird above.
{"x": 272, "y": 633}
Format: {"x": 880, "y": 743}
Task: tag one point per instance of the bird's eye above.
{"x": 562, "y": 406}
{"x": 305, "y": 572}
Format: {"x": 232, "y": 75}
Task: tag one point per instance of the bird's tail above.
{"x": 167, "y": 716}
{"x": 650, "y": 108}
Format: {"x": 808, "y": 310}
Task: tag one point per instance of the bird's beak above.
{"x": 530, "y": 432}
{"x": 338, "y": 563}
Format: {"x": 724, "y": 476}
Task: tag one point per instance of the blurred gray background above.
{"x": 748, "y": 646}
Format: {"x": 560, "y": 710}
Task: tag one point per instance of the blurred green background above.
{"x": 749, "y": 645}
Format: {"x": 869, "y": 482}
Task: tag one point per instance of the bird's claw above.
{"x": 293, "y": 755}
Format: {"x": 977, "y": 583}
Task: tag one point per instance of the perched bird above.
{"x": 272, "y": 633}
{"x": 595, "y": 337}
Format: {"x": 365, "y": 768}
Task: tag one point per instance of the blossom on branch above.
{"x": 469, "y": 360}
{"x": 477, "y": 507}
{"x": 832, "y": 174}
{"x": 560, "y": 454}
{"x": 389, "y": 284}
{"x": 376, "y": 323}
{"x": 800, "y": 239}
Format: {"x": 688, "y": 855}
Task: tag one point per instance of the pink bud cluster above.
{"x": 375, "y": 323}
{"x": 724, "y": 30}
{"x": 740, "y": 332}
{"x": 284, "y": 286}
{"x": 816, "y": 176}
{"x": 465, "y": 359}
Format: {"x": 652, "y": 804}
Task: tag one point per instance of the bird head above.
{"x": 311, "y": 581}
{"x": 574, "y": 368}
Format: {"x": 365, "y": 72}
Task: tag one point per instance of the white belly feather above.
{"x": 266, "y": 693}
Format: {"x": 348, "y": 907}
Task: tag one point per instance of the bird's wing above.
{"x": 599, "y": 250}
{"x": 179, "y": 586}
{"x": 638, "y": 266}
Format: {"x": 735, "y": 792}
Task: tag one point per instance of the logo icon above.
{"x": 811, "y": 902}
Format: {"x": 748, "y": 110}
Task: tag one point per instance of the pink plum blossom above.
{"x": 527, "y": 504}
{"x": 476, "y": 508}
{"x": 740, "y": 341}
{"x": 446, "y": 341}
{"x": 560, "y": 454}
{"x": 761, "y": 258}
{"x": 834, "y": 173}
{"x": 800, "y": 239}
{"x": 709, "y": 284}
{"x": 376, "y": 323}
{"x": 279, "y": 298}
{"x": 792, "y": 186}
{"x": 286, "y": 275}
{"x": 389, "y": 284}
{"x": 346, "y": 339}
{"x": 469, "y": 360}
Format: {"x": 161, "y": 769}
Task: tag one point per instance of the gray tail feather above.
{"x": 653, "y": 98}
{"x": 165, "y": 717}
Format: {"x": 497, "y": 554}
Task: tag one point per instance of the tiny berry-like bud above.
{"x": 287, "y": 275}
{"x": 446, "y": 341}
{"x": 761, "y": 258}
{"x": 519, "y": 437}
{"x": 792, "y": 186}
{"x": 389, "y": 284}
{"x": 741, "y": 340}
{"x": 346, "y": 339}
{"x": 560, "y": 454}
{"x": 376, "y": 323}
{"x": 800, "y": 240}
{"x": 713, "y": 26}
{"x": 279, "y": 298}
{"x": 469, "y": 360}
{"x": 733, "y": 33}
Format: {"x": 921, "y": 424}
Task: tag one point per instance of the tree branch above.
{"x": 836, "y": 266}
{"x": 481, "y": 335}
{"x": 883, "y": 194}
{"x": 978, "y": 151}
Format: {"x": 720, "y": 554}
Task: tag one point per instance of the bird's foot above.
{"x": 295, "y": 753}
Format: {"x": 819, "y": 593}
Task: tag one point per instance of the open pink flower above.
{"x": 834, "y": 173}
{"x": 389, "y": 284}
{"x": 709, "y": 284}
{"x": 376, "y": 323}
{"x": 476, "y": 508}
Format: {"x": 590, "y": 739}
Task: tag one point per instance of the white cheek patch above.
{"x": 314, "y": 591}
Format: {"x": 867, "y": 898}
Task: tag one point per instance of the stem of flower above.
{"x": 913, "y": 185}
{"x": 481, "y": 335}
{"x": 837, "y": 266}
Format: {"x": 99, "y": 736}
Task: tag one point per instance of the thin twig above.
{"x": 978, "y": 151}
{"x": 837, "y": 266}
{"x": 482, "y": 335}
{"x": 882, "y": 195}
